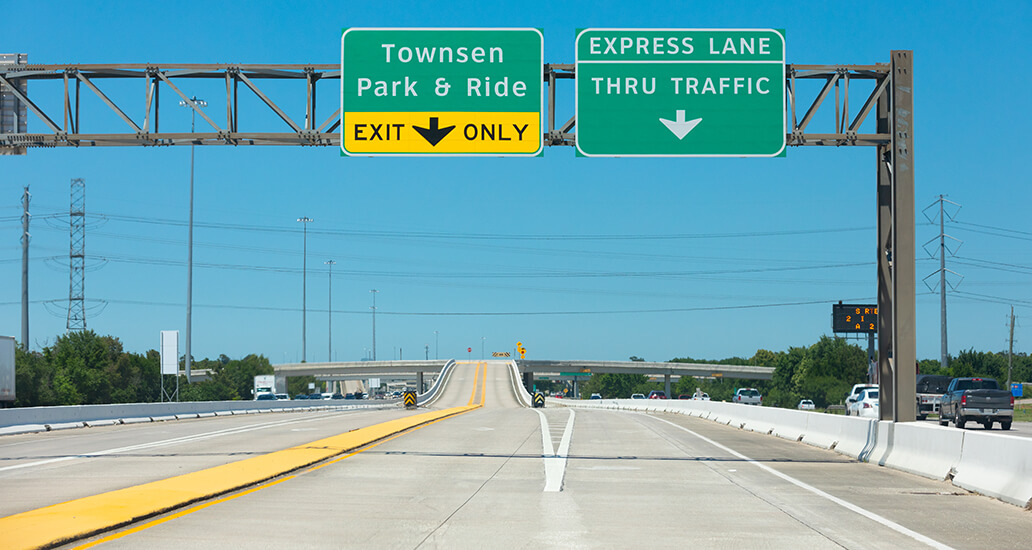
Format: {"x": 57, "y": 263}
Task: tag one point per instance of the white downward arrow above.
{"x": 680, "y": 127}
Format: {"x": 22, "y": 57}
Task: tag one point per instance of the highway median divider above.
{"x": 73, "y": 520}
{"x": 996, "y": 465}
{"x": 929, "y": 451}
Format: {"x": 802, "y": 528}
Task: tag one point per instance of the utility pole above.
{"x": 437, "y": 346}
{"x": 329, "y": 353}
{"x": 193, "y": 103}
{"x": 374, "y": 291}
{"x": 305, "y": 220}
{"x": 25, "y": 270}
{"x": 942, "y": 236}
{"x": 1010, "y": 350}
{"x": 942, "y": 283}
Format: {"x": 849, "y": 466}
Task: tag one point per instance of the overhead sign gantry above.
{"x": 441, "y": 92}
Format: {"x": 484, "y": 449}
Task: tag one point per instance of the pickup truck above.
{"x": 930, "y": 388}
{"x": 977, "y": 399}
{"x": 748, "y": 396}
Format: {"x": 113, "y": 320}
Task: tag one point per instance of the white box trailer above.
{"x": 7, "y": 394}
{"x": 264, "y": 383}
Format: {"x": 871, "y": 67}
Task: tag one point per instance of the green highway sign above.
{"x": 441, "y": 92}
{"x": 680, "y": 92}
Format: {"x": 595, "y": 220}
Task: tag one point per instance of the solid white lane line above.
{"x": 847, "y": 505}
{"x": 555, "y": 463}
{"x": 162, "y": 443}
{"x": 564, "y": 443}
{"x": 546, "y": 436}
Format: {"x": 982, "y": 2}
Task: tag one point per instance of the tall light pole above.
{"x": 193, "y": 103}
{"x": 482, "y": 338}
{"x": 437, "y": 347}
{"x": 373, "y": 292}
{"x": 329, "y": 352}
{"x": 305, "y": 220}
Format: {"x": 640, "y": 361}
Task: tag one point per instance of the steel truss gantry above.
{"x": 142, "y": 127}
{"x": 886, "y": 91}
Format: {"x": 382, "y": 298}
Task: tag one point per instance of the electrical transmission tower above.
{"x": 77, "y": 257}
{"x": 941, "y": 250}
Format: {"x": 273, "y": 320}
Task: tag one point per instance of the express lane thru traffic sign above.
{"x": 680, "y": 92}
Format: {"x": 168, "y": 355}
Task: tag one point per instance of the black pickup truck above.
{"x": 977, "y": 399}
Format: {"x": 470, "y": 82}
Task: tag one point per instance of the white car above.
{"x": 637, "y": 396}
{"x": 866, "y": 404}
{"x": 854, "y": 394}
{"x": 701, "y": 397}
{"x": 806, "y": 405}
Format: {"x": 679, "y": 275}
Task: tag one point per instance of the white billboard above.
{"x": 170, "y": 352}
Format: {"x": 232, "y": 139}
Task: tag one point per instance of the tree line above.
{"x": 84, "y": 368}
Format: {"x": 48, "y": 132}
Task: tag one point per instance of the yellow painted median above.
{"x": 61, "y": 523}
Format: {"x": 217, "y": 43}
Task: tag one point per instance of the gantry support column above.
{"x": 897, "y": 340}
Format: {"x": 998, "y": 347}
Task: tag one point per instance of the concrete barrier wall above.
{"x": 996, "y": 465}
{"x": 29, "y": 419}
{"x": 992, "y": 464}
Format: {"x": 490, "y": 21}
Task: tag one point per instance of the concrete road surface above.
{"x": 503, "y": 476}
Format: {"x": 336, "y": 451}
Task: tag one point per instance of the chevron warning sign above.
{"x": 410, "y": 400}
{"x": 539, "y": 400}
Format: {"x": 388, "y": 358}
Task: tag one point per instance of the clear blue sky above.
{"x": 496, "y": 247}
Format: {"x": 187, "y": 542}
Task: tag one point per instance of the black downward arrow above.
{"x": 433, "y": 134}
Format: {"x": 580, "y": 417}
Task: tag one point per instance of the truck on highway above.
{"x": 930, "y": 389}
{"x": 747, "y": 396}
{"x": 264, "y": 383}
{"x": 977, "y": 399}
{"x": 6, "y": 371}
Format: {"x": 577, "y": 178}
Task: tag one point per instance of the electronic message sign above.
{"x": 441, "y": 92}
{"x": 854, "y": 318}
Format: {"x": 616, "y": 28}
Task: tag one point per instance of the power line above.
{"x": 495, "y": 313}
{"x": 994, "y": 228}
{"x": 482, "y": 236}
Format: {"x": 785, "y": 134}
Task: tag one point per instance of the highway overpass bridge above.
{"x": 575, "y": 370}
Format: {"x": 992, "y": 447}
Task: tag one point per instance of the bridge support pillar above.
{"x": 666, "y": 383}
{"x": 419, "y": 383}
{"x": 528, "y": 381}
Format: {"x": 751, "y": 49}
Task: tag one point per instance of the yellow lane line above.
{"x": 472, "y": 396}
{"x": 199, "y": 507}
{"x": 483, "y": 387}
{"x": 76, "y": 519}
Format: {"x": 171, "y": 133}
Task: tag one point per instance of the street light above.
{"x": 437, "y": 347}
{"x": 374, "y": 291}
{"x": 193, "y": 103}
{"x": 305, "y": 220}
{"x": 329, "y": 352}
{"x": 482, "y": 338}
